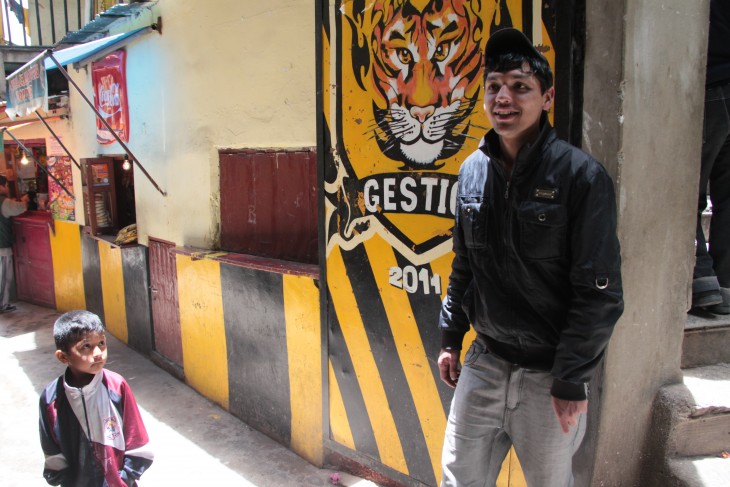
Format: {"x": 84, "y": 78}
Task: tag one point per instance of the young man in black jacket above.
{"x": 537, "y": 273}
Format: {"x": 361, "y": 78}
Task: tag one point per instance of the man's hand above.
{"x": 449, "y": 366}
{"x": 567, "y": 411}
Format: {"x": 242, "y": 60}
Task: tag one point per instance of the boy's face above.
{"x": 514, "y": 102}
{"x": 87, "y": 355}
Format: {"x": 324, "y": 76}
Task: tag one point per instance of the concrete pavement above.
{"x": 196, "y": 442}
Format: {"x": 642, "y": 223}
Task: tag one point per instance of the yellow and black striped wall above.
{"x": 107, "y": 280}
{"x": 251, "y": 335}
{"x": 251, "y": 340}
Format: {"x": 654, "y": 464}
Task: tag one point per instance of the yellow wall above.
{"x": 202, "y": 329}
{"x": 112, "y": 290}
{"x": 68, "y": 275}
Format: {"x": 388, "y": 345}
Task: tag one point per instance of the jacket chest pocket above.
{"x": 473, "y": 219}
{"x": 543, "y": 230}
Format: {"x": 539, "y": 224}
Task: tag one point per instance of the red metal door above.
{"x": 165, "y": 312}
{"x": 33, "y": 261}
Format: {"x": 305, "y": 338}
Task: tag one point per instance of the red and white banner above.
{"x": 110, "y": 96}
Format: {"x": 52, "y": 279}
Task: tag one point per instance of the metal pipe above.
{"x": 28, "y": 152}
{"x": 53, "y": 23}
{"x": 25, "y": 34}
{"x": 78, "y": 12}
{"x": 57, "y": 138}
{"x": 65, "y": 13}
{"x": 63, "y": 71}
{"x": 7, "y": 22}
{"x": 38, "y": 21}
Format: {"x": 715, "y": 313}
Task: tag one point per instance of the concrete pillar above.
{"x": 643, "y": 110}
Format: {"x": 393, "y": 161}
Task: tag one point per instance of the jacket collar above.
{"x": 87, "y": 389}
{"x": 528, "y": 155}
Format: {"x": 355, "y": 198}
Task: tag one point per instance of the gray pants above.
{"x": 6, "y": 279}
{"x": 497, "y": 405}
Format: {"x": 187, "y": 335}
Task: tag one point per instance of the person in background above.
{"x": 711, "y": 279}
{"x": 32, "y": 201}
{"x": 8, "y": 208}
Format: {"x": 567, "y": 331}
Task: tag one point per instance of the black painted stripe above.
{"x": 527, "y": 14}
{"x": 91, "y": 269}
{"x": 258, "y": 364}
{"x": 344, "y": 370}
{"x": 385, "y": 352}
{"x": 135, "y": 274}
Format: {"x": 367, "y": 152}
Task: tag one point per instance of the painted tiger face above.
{"x": 427, "y": 67}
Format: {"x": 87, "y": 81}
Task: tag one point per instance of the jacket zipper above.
{"x": 506, "y": 235}
{"x": 86, "y": 415}
{"x": 88, "y": 427}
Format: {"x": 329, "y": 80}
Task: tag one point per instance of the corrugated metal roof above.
{"x": 103, "y": 24}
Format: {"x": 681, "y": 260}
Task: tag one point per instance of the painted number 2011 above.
{"x": 414, "y": 280}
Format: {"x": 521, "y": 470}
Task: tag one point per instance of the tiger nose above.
{"x": 422, "y": 113}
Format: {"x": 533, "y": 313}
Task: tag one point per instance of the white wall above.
{"x": 237, "y": 75}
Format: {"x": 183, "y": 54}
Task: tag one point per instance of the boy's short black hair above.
{"x": 509, "y": 49}
{"x": 71, "y": 326}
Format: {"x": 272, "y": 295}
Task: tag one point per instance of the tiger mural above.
{"x": 425, "y": 64}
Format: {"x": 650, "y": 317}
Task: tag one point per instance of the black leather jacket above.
{"x": 537, "y": 266}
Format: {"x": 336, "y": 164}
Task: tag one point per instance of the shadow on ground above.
{"x": 196, "y": 442}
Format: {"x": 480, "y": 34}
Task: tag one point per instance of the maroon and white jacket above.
{"x": 93, "y": 436}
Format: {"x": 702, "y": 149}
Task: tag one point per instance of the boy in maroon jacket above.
{"x": 91, "y": 430}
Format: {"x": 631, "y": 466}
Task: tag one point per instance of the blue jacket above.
{"x": 537, "y": 265}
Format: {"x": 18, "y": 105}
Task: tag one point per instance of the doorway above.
{"x": 164, "y": 297}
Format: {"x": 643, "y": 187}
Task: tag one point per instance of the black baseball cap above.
{"x": 510, "y": 40}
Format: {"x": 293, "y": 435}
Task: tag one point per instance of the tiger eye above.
{"x": 441, "y": 51}
{"x": 404, "y": 55}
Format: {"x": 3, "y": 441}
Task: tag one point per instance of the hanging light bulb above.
{"x": 24, "y": 160}
{"x": 126, "y": 165}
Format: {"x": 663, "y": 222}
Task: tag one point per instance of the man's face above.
{"x": 87, "y": 355}
{"x": 514, "y": 102}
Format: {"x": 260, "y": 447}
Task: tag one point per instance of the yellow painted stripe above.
{"x": 112, "y": 290}
{"x": 326, "y": 88}
{"x": 68, "y": 275}
{"x": 304, "y": 350}
{"x": 410, "y": 348}
{"x": 202, "y": 328}
{"x": 516, "y": 477}
{"x": 339, "y": 426}
{"x": 373, "y": 392}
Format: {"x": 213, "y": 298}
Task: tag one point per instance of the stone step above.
{"x": 699, "y": 472}
{"x": 706, "y": 339}
{"x": 698, "y": 411}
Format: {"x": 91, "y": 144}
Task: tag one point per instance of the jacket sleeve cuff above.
{"x": 568, "y": 391}
{"x": 451, "y": 340}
